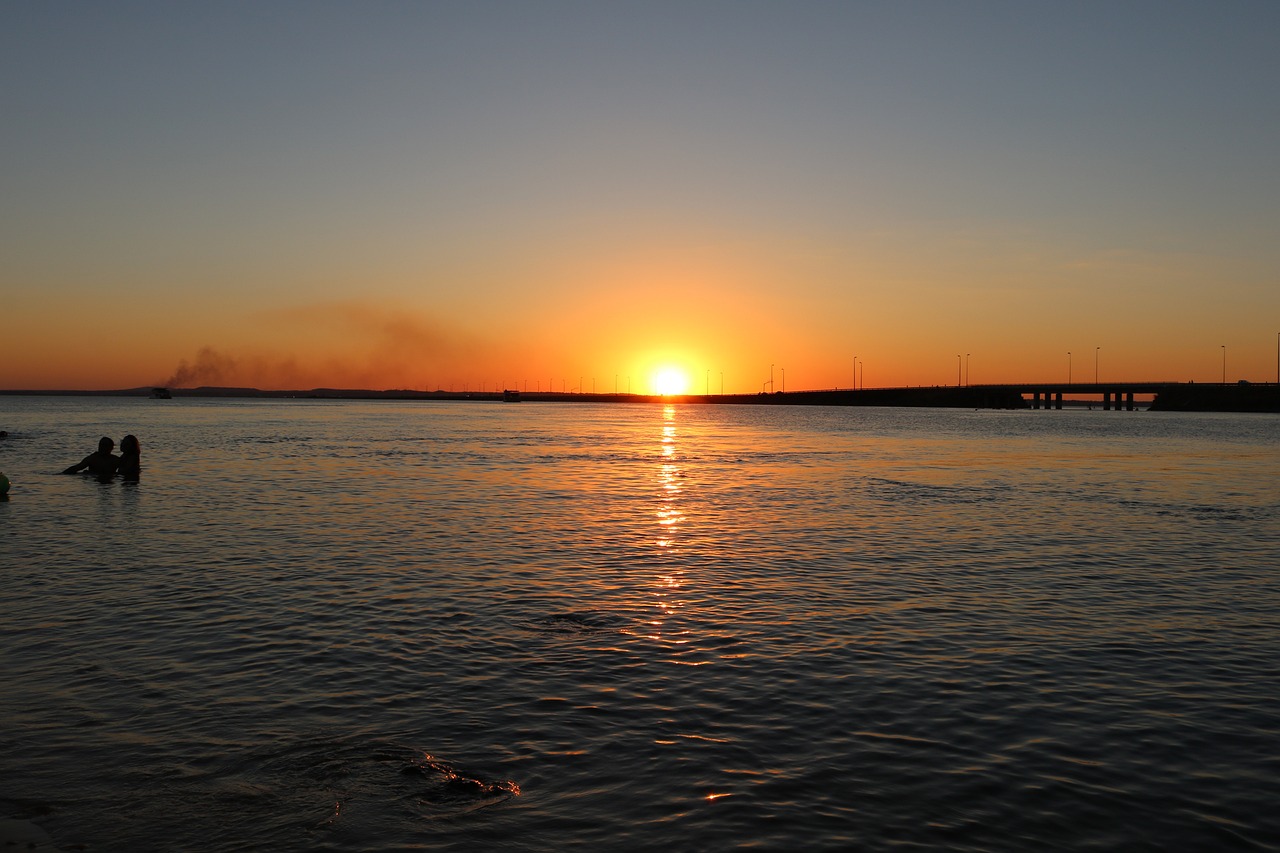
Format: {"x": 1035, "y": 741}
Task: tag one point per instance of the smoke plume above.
{"x": 347, "y": 345}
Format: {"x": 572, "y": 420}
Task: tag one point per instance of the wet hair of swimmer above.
{"x": 105, "y": 445}
{"x": 130, "y": 444}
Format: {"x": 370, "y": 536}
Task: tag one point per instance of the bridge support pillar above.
{"x": 1057, "y": 401}
{"x": 1128, "y": 401}
{"x": 1106, "y": 401}
{"x": 1035, "y": 399}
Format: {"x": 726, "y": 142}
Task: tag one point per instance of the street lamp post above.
{"x": 958, "y": 364}
{"x": 1095, "y": 365}
{"x": 1224, "y": 364}
{"x": 771, "y": 379}
{"x": 784, "y": 379}
{"x": 1068, "y": 367}
{"x": 966, "y": 369}
{"x": 855, "y": 363}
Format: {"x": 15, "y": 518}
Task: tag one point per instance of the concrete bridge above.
{"x": 1166, "y": 396}
{"x": 1115, "y": 395}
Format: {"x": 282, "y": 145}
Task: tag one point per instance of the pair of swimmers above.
{"x": 104, "y": 464}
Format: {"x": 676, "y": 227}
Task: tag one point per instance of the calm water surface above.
{"x": 382, "y": 626}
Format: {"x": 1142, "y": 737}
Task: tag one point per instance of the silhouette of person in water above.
{"x": 102, "y": 463}
{"x": 130, "y": 458}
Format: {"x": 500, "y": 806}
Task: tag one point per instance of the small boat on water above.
{"x": 161, "y": 394}
{"x": 509, "y": 396}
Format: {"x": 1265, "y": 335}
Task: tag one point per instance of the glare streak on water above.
{"x": 375, "y": 626}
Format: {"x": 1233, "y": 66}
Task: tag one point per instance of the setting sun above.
{"x": 669, "y": 381}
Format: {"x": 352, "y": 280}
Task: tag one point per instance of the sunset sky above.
{"x": 432, "y": 194}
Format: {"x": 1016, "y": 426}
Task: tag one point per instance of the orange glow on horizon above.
{"x": 390, "y": 344}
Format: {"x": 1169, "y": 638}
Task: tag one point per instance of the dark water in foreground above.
{"x": 353, "y": 626}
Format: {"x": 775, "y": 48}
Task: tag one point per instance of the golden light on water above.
{"x": 669, "y": 517}
{"x": 670, "y": 514}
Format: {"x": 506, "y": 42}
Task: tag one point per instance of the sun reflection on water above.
{"x": 670, "y": 518}
{"x": 669, "y": 512}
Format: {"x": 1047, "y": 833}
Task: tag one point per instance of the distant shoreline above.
{"x": 1169, "y": 396}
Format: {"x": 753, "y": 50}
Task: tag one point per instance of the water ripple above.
{"x": 643, "y": 627}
